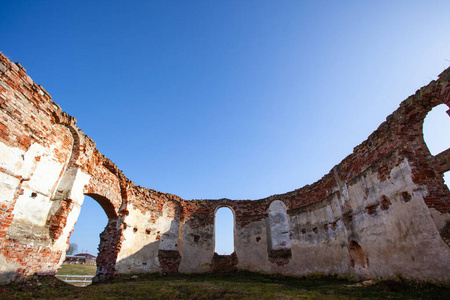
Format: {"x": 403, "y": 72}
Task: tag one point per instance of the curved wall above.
{"x": 380, "y": 213}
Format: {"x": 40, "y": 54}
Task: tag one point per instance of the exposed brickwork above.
{"x": 224, "y": 262}
{"x": 30, "y": 116}
{"x": 27, "y": 119}
{"x": 57, "y": 222}
{"x": 110, "y": 244}
{"x": 280, "y": 257}
{"x": 169, "y": 261}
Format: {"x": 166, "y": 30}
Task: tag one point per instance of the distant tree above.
{"x": 73, "y": 247}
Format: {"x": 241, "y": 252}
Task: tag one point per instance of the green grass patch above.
{"x": 237, "y": 285}
{"x": 77, "y": 270}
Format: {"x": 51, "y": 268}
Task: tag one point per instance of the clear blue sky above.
{"x": 236, "y": 99}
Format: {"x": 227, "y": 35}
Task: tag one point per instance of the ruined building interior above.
{"x": 382, "y": 212}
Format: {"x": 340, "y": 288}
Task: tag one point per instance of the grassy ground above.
{"x": 77, "y": 270}
{"x": 239, "y": 285}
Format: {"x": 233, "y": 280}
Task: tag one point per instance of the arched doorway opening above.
{"x": 91, "y": 222}
{"x": 80, "y": 265}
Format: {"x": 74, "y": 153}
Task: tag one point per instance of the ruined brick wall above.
{"x": 145, "y": 227}
{"x": 46, "y": 166}
{"x": 382, "y": 212}
{"x": 385, "y": 204}
{"x": 33, "y": 148}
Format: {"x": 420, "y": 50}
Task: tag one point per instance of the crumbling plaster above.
{"x": 380, "y": 213}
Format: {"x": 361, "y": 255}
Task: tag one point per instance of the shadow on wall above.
{"x": 169, "y": 227}
{"x": 8, "y": 276}
{"x": 170, "y": 243}
{"x": 161, "y": 252}
{"x": 150, "y": 259}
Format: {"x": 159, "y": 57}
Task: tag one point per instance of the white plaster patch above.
{"x": 440, "y": 219}
{"x": 139, "y": 251}
{"x": 18, "y": 162}
{"x": 169, "y": 228}
{"x": 32, "y": 208}
{"x": 330, "y": 213}
{"x": 336, "y": 207}
{"x": 72, "y": 185}
{"x": 251, "y": 247}
{"x": 393, "y": 239}
{"x": 357, "y": 195}
{"x": 46, "y": 175}
{"x": 8, "y": 185}
{"x": 197, "y": 256}
{"x": 81, "y": 179}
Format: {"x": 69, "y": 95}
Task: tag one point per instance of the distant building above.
{"x": 86, "y": 255}
{"x": 80, "y": 259}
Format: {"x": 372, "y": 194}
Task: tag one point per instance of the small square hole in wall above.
{"x": 385, "y": 202}
{"x": 406, "y": 197}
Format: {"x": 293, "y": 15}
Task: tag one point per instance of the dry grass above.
{"x": 239, "y": 285}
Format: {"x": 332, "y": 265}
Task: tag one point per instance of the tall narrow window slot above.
{"x": 224, "y": 231}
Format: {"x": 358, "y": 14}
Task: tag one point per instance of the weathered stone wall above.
{"x": 382, "y": 212}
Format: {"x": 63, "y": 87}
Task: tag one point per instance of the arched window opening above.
{"x": 224, "y": 231}
{"x": 447, "y": 178}
{"x": 278, "y": 226}
{"x": 436, "y": 131}
{"x": 279, "y": 246}
{"x": 83, "y": 244}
